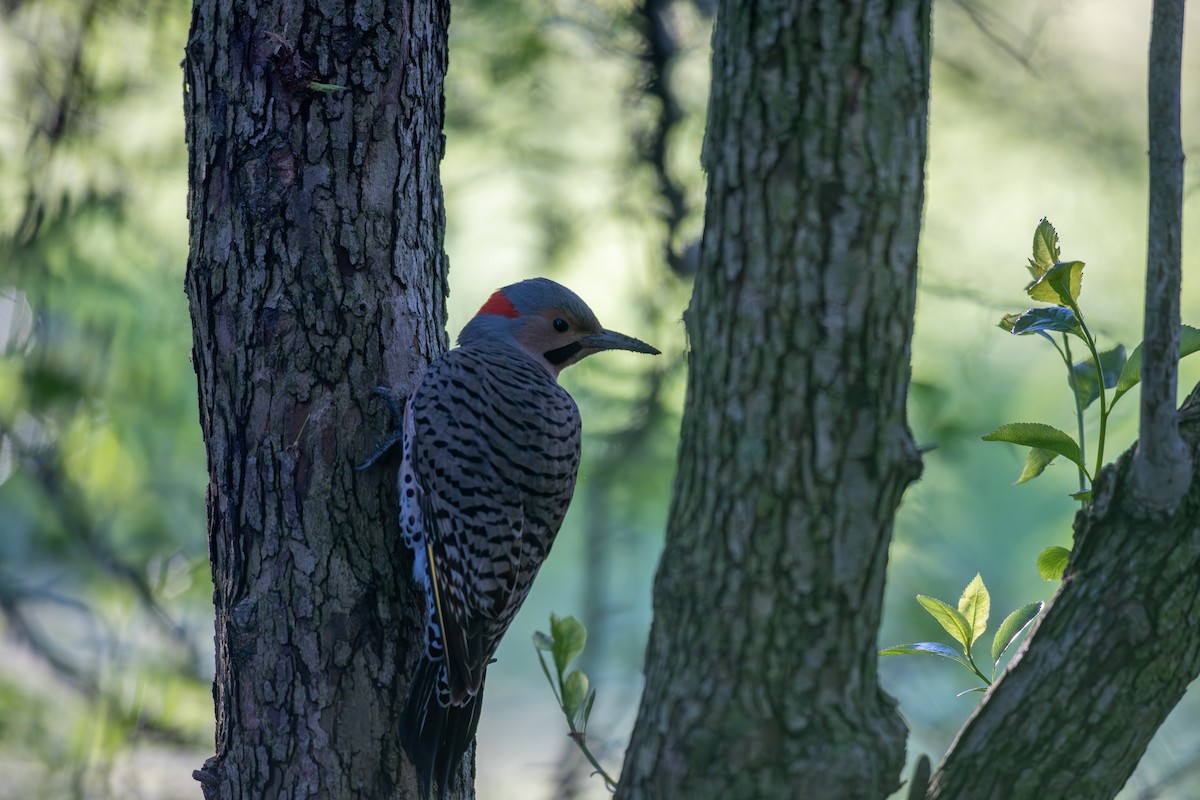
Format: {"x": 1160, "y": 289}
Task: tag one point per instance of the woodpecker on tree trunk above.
{"x": 490, "y": 455}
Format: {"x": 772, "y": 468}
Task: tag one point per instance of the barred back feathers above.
{"x": 490, "y": 455}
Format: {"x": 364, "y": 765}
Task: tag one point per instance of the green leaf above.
{"x": 949, "y": 618}
{"x": 1066, "y": 278}
{"x": 1052, "y": 562}
{"x": 1035, "y": 464}
{"x": 1085, "y": 495}
{"x": 1011, "y": 628}
{"x": 1037, "y": 434}
{"x": 1131, "y": 373}
{"x": 975, "y": 605}
{"x": 1060, "y": 284}
{"x": 543, "y": 642}
{"x": 932, "y": 648}
{"x": 1083, "y": 374}
{"x": 1045, "y": 249}
{"x": 569, "y": 637}
{"x": 1040, "y": 320}
{"x": 980, "y": 689}
{"x": 1007, "y": 321}
{"x": 575, "y": 693}
{"x": 585, "y": 711}
{"x": 549, "y": 677}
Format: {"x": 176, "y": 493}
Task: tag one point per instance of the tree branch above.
{"x": 658, "y": 54}
{"x": 1162, "y": 467}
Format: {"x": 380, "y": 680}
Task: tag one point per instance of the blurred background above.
{"x": 574, "y": 131}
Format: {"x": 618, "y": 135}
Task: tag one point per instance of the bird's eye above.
{"x": 561, "y": 325}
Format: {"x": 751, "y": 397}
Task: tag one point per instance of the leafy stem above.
{"x": 580, "y": 739}
{"x": 1091, "y": 344}
{"x": 1059, "y": 283}
{"x": 1073, "y": 383}
{"x": 974, "y": 668}
{"x": 571, "y": 689}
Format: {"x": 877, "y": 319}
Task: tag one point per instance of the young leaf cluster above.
{"x": 966, "y": 624}
{"x": 1090, "y": 379}
{"x": 571, "y": 689}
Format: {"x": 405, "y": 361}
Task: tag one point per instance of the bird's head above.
{"x": 546, "y": 320}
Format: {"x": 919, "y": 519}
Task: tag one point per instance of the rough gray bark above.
{"x": 1109, "y": 660}
{"x": 761, "y": 668}
{"x": 316, "y": 272}
{"x": 1162, "y": 469}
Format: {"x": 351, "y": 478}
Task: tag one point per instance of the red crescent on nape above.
{"x": 500, "y": 305}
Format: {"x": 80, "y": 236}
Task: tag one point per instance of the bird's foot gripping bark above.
{"x": 395, "y": 406}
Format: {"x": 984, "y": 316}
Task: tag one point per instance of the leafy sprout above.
{"x": 966, "y": 623}
{"x": 571, "y": 689}
{"x": 1060, "y": 283}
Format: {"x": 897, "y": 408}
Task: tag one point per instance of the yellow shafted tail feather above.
{"x": 437, "y": 601}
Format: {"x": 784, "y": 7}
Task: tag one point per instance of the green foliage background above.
{"x": 105, "y": 617}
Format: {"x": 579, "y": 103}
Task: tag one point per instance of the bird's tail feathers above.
{"x": 436, "y": 735}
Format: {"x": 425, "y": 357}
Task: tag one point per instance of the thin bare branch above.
{"x": 1162, "y": 467}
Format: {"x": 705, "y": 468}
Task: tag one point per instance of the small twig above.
{"x": 987, "y": 21}
{"x": 659, "y": 52}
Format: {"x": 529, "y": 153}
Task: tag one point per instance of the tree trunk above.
{"x": 1109, "y": 660}
{"x": 316, "y": 272}
{"x": 761, "y": 668}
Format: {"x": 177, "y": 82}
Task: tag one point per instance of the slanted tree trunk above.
{"x": 1112, "y": 656}
{"x": 761, "y": 668}
{"x": 316, "y": 272}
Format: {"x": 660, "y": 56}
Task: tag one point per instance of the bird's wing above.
{"x": 495, "y": 451}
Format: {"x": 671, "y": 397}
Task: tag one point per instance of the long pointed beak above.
{"x": 611, "y": 340}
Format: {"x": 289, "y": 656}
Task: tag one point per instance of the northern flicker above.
{"x": 490, "y": 454}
